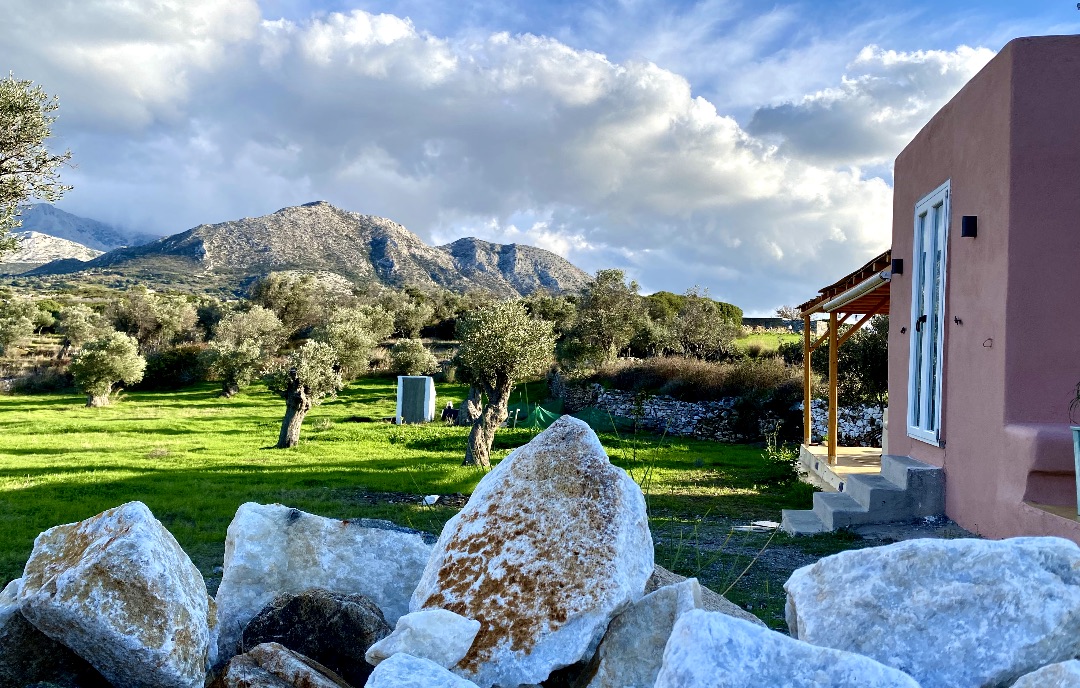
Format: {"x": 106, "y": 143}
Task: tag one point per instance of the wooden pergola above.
{"x": 863, "y": 293}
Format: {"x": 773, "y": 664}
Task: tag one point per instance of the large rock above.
{"x": 1060, "y": 675}
{"x": 714, "y": 650}
{"x": 271, "y": 665}
{"x": 552, "y": 545}
{"x": 711, "y": 601}
{"x": 119, "y": 591}
{"x": 633, "y": 647}
{"x": 949, "y": 612}
{"x": 272, "y": 549}
{"x": 405, "y": 671}
{"x": 439, "y": 635}
{"x": 29, "y": 656}
{"x": 332, "y": 628}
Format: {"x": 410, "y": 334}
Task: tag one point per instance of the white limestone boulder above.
{"x": 405, "y": 671}
{"x": 950, "y": 613}
{"x": 438, "y": 635}
{"x": 272, "y": 549}
{"x": 1059, "y": 675}
{"x": 714, "y": 650}
{"x": 271, "y": 665}
{"x": 631, "y": 652}
{"x": 553, "y": 543}
{"x": 119, "y": 591}
{"x": 711, "y": 601}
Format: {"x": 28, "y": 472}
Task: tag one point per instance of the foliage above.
{"x": 175, "y": 368}
{"x": 608, "y": 315}
{"x": 504, "y": 342}
{"x": 411, "y": 357}
{"x": 80, "y": 324}
{"x": 695, "y": 380}
{"x": 702, "y": 328}
{"x": 354, "y": 333}
{"x": 295, "y": 299}
{"x": 559, "y": 310}
{"x": 156, "y": 321}
{"x": 243, "y": 342}
{"x": 789, "y": 312}
{"x": 312, "y": 368}
{"x": 862, "y": 363}
{"x": 16, "y": 321}
{"x": 104, "y": 362}
{"x": 27, "y": 168}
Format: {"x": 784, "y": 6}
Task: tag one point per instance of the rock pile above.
{"x": 545, "y": 578}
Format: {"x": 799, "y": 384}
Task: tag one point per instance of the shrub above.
{"x": 411, "y": 357}
{"x": 44, "y": 379}
{"x": 175, "y": 367}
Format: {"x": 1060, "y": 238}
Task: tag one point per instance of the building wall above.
{"x": 1012, "y": 154}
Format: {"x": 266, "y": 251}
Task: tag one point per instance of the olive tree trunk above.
{"x": 478, "y": 451}
{"x": 470, "y": 408}
{"x": 297, "y": 404}
{"x": 97, "y": 400}
{"x": 229, "y": 388}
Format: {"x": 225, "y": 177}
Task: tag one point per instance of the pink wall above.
{"x": 1010, "y": 144}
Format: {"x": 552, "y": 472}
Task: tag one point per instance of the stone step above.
{"x": 801, "y": 522}
{"x": 839, "y": 510}
{"x": 875, "y": 492}
{"x": 924, "y": 483}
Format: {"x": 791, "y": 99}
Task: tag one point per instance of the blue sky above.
{"x": 744, "y": 147}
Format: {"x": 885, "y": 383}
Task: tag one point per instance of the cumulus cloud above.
{"x": 507, "y": 137}
{"x": 883, "y": 100}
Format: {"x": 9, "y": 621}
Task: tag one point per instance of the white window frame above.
{"x": 926, "y": 378}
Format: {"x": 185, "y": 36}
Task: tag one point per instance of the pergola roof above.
{"x": 875, "y": 300}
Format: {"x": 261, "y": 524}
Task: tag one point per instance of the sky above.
{"x": 743, "y": 147}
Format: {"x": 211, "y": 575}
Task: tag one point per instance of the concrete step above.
{"x": 839, "y": 510}
{"x": 924, "y": 483}
{"x": 799, "y": 522}
{"x": 874, "y": 492}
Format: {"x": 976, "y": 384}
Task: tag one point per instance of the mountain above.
{"x": 48, "y": 219}
{"x": 317, "y": 236}
{"x": 35, "y": 247}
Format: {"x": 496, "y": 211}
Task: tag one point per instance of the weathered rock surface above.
{"x": 29, "y": 656}
{"x": 949, "y": 612}
{"x": 711, "y": 601}
{"x": 332, "y": 628}
{"x": 405, "y": 671}
{"x": 552, "y": 545}
{"x": 438, "y": 635}
{"x": 1060, "y": 675}
{"x": 713, "y": 650}
{"x": 119, "y": 591}
{"x": 631, "y": 652}
{"x": 271, "y": 665}
{"x": 272, "y": 549}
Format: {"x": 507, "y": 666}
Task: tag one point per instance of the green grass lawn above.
{"x": 193, "y": 458}
{"x": 767, "y": 341}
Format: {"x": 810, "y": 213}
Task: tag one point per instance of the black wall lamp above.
{"x": 969, "y": 226}
{"x": 897, "y": 266}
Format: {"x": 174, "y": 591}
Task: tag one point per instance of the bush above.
{"x": 44, "y": 379}
{"x": 411, "y": 357}
{"x": 179, "y": 366}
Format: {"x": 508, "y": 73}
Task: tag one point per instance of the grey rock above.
{"x": 553, "y": 543}
{"x": 405, "y": 671}
{"x": 713, "y": 650}
{"x": 334, "y": 629}
{"x": 439, "y": 635}
{"x": 951, "y": 613}
{"x": 711, "y": 601}
{"x": 1059, "y": 675}
{"x": 271, "y": 665}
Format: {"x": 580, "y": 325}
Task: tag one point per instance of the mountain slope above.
{"x": 48, "y": 219}
{"x": 318, "y": 236}
{"x": 35, "y": 247}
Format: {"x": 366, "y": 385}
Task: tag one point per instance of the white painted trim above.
{"x": 397, "y": 413}
{"x": 922, "y": 284}
{"x": 865, "y": 287}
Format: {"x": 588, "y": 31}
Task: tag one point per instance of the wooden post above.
{"x": 806, "y": 421}
{"x": 833, "y": 346}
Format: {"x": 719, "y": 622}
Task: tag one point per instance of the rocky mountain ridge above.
{"x": 48, "y": 219}
{"x": 319, "y": 236}
{"x": 35, "y": 247}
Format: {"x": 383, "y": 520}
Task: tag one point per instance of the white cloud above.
{"x": 512, "y": 138}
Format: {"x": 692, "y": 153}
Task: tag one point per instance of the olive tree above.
{"x": 105, "y": 362}
{"x": 27, "y": 168}
{"x": 16, "y": 321}
{"x": 500, "y": 345}
{"x": 242, "y": 345}
{"x": 156, "y": 321}
{"x": 703, "y": 330}
{"x": 354, "y": 333}
{"x": 309, "y": 375}
{"x": 79, "y": 324}
{"x": 608, "y": 314}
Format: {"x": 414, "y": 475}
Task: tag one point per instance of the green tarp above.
{"x": 534, "y": 415}
{"x": 602, "y": 421}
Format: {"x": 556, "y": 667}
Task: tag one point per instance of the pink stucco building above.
{"x": 982, "y": 369}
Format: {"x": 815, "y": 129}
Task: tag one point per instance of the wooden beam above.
{"x": 855, "y": 328}
{"x": 833, "y": 396}
{"x": 806, "y": 351}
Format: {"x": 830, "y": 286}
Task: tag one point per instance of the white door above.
{"x": 928, "y": 316}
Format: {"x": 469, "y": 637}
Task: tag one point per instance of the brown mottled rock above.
{"x": 711, "y": 601}
{"x": 271, "y": 665}
{"x": 334, "y": 629}
{"x": 119, "y": 591}
{"x": 29, "y": 656}
{"x": 553, "y": 543}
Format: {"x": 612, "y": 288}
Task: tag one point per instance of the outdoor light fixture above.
{"x": 897, "y": 266}
{"x": 969, "y": 226}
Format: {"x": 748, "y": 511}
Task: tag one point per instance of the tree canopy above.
{"x": 103, "y": 363}
{"x": 27, "y": 168}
